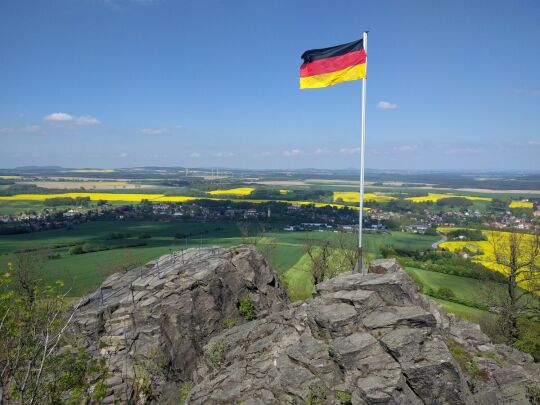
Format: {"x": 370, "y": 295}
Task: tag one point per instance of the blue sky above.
{"x": 118, "y": 83}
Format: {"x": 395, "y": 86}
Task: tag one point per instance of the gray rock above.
{"x": 373, "y": 338}
{"x": 158, "y": 317}
{"x": 383, "y": 266}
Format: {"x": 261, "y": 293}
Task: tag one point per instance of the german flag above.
{"x": 328, "y": 66}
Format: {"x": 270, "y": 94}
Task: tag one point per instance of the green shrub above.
{"x": 185, "y": 390}
{"x": 344, "y": 397}
{"x": 529, "y": 337}
{"x": 534, "y": 393}
{"x": 246, "y": 308}
{"x": 228, "y": 323}
{"x": 76, "y": 250}
{"x": 446, "y": 293}
{"x": 215, "y": 356}
{"x": 316, "y": 395}
{"x": 472, "y": 369}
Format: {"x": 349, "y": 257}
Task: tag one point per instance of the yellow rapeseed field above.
{"x": 283, "y": 191}
{"x": 239, "y": 191}
{"x": 436, "y": 197}
{"x": 354, "y": 196}
{"x": 155, "y": 198}
{"x": 88, "y": 171}
{"x": 93, "y": 196}
{"x": 175, "y": 198}
{"x": 521, "y": 204}
{"x": 484, "y": 247}
{"x": 10, "y": 177}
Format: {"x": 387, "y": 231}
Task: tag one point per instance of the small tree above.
{"x": 126, "y": 262}
{"x": 320, "y": 264}
{"x": 518, "y": 257}
{"x": 25, "y": 268}
{"x": 349, "y": 253}
{"x": 38, "y": 363}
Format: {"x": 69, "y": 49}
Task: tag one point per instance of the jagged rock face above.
{"x": 361, "y": 337}
{"x": 360, "y": 340}
{"x": 157, "y": 318}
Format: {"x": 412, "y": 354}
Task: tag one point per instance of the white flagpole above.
{"x": 360, "y": 266}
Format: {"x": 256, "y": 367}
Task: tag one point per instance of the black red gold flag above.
{"x": 329, "y": 66}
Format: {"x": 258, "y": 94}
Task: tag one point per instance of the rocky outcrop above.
{"x": 151, "y": 323}
{"x": 362, "y": 340}
{"x": 167, "y": 330}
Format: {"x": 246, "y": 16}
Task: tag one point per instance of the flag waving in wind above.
{"x": 328, "y": 66}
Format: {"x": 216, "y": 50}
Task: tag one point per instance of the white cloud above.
{"x": 349, "y": 151}
{"x": 87, "y": 120}
{"x": 534, "y": 142}
{"x": 58, "y": 117}
{"x": 323, "y": 151}
{"x": 223, "y": 154}
{"x": 292, "y": 152}
{"x": 64, "y": 118}
{"x": 154, "y": 131}
{"x": 265, "y": 153}
{"x": 405, "y": 148}
{"x": 194, "y": 155}
{"x": 27, "y": 129}
{"x": 123, "y": 155}
{"x": 386, "y": 105}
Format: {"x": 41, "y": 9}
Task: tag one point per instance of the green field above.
{"x": 84, "y": 272}
{"x": 463, "y": 311}
{"x": 290, "y": 260}
{"x": 466, "y": 290}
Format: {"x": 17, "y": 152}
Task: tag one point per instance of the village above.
{"x": 412, "y": 218}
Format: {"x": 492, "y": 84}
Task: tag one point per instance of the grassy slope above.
{"x": 463, "y": 311}
{"x": 298, "y": 280}
{"x": 464, "y": 288}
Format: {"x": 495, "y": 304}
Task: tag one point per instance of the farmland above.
{"x": 521, "y": 204}
{"x": 147, "y": 240}
{"x": 483, "y": 251}
{"x": 434, "y": 197}
{"x": 239, "y": 191}
{"x": 134, "y": 198}
{"x": 472, "y": 293}
{"x": 353, "y": 196}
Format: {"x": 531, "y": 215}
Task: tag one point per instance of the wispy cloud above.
{"x": 292, "y": 152}
{"x": 528, "y": 92}
{"x": 223, "y": 154}
{"x": 405, "y": 148}
{"x": 154, "y": 131}
{"x": 65, "y": 118}
{"x": 349, "y": 151}
{"x": 20, "y": 130}
{"x": 534, "y": 142}
{"x": 386, "y": 105}
{"x": 86, "y": 120}
{"x": 194, "y": 155}
{"x": 123, "y": 155}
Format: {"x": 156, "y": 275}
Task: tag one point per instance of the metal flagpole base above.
{"x": 360, "y": 266}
